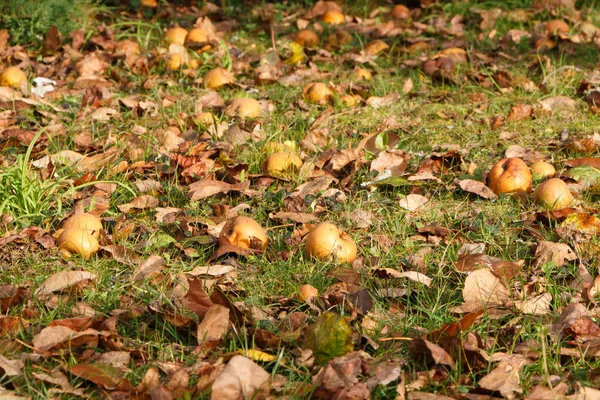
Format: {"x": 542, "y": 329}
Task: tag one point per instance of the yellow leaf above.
{"x": 257, "y": 355}
{"x": 297, "y": 53}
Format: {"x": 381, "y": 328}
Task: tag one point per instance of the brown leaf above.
{"x": 413, "y": 202}
{"x": 505, "y": 377}
{"x": 591, "y": 161}
{"x": 206, "y": 187}
{"x": 559, "y": 104}
{"x": 536, "y": 305}
{"x": 241, "y": 379}
{"x": 321, "y": 7}
{"x": 11, "y": 367}
{"x": 454, "y": 328}
{"x": 483, "y": 286}
{"x": 139, "y": 203}
{"x": 150, "y": 267}
{"x": 558, "y": 253}
{"x": 519, "y": 112}
{"x": 313, "y": 187}
{"x": 122, "y": 254}
{"x": 301, "y": 218}
{"x": 64, "y": 280}
{"x": 477, "y": 187}
{"x": 394, "y": 161}
{"x": 60, "y": 336}
{"x": 215, "y": 324}
{"x": 420, "y": 348}
{"x": 11, "y": 295}
{"x": 104, "y": 375}
{"x": 196, "y": 299}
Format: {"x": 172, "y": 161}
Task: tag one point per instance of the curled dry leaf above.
{"x": 64, "y": 280}
{"x": 241, "y": 379}
{"x": 394, "y": 161}
{"x": 139, "y": 203}
{"x": 476, "y": 187}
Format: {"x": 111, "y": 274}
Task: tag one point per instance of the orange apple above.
{"x": 400, "y": 12}
{"x": 307, "y": 38}
{"x": 77, "y": 240}
{"x": 510, "y": 175}
{"x": 327, "y": 240}
{"x": 243, "y": 232}
{"x": 175, "y": 35}
{"x": 281, "y": 163}
{"x": 333, "y": 17}
{"x": 307, "y": 292}
{"x": 86, "y": 221}
{"x": 317, "y": 92}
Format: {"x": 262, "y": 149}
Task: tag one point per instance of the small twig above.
{"x": 387, "y": 339}
{"x": 273, "y": 42}
{"x": 278, "y": 226}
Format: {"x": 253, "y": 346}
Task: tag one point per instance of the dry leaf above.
{"x": 215, "y": 324}
{"x": 205, "y": 188}
{"x": 394, "y": 161}
{"x": 153, "y": 265}
{"x": 484, "y": 287}
{"x": 413, "y": 202}
{"x": 241, "y": 379}
{"x": 536, "y": 305}
{"x": 476, "y": 187}
{"x": 64, "y": 280}
{"x": 557, "y": 253}
{"x": 505, "y": 377}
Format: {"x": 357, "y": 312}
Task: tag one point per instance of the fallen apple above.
{"x": 510, "y": 175}
{"x": 350, "y": 100}
{"x": 13, "y": 77}
{"x": 375, "y": 47}
{"x": 307, "y": 38}
{"x": 218, "y": 77}
{"x": 556, "y": 27}
{"x": 400, "y": 12}
{"x": 278, "y": 147}
{"x": 198, "y": 37}
{"x": 327, "y": 240}
{"x": 362, "y": 73}
{"x": 307, "y": 292}
{"x": 282, "y": 163}
{"x": 553, "y": 194}
{"x": 206, "y": 118}
{"x": 77, "y": 240}
{"x": 333, "y": 17}
{"x": 175, "y": 35}
{"x": 175, "y": 61}
{"x": 317, "y": 92}
{"x": 243, "y": 232}
{"x": 89, "y": 222}
{"x": 244, "y": 107}
{"x": 542, "y": 170}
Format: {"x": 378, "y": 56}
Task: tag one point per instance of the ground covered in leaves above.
{"x": 456, "y": 291}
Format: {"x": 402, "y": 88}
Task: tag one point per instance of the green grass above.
{"x": 265, "y": 285}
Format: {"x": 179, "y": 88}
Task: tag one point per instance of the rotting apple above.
{"x": 244, "y": 107}
{"x": 218, "y": 77}
{"x": 542, "y": 170}
{"x": 175, "y": 35}
{"x": 510, "y": 175}
{"x": 327, "y": 240}
{"x": 243, "y": 232}
{"x": 87, "y": 221}
{"x": 317, "y": 92}
{"x": 556, "y": 27}
{"x": 362, "y": 73}
{"x": 375, "y": 47}
{"x": 281, "y": 163}
{"x": 196, "y": 37}
{"x": 553, "y": 194}
{"x": 77, "y": 240}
